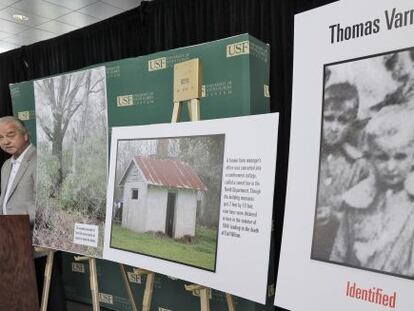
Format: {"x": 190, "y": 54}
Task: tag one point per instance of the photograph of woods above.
{"x": 167, "y": 198}
{"x": 71, "y": 128}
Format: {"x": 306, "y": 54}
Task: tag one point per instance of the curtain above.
{"x": 166, "y": 24}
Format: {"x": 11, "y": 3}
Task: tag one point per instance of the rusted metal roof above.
{"x": 170, "y": 173}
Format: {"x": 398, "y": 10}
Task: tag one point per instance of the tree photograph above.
{"x": 71, "y": 129}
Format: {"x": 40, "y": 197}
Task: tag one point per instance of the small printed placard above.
{"x": 78, "y": 267}
{"x": 86, "y": 234}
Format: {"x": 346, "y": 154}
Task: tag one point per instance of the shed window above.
{"x": 134, "y": 194}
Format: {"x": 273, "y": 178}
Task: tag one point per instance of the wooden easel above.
{"x": 93, "y": 281}
{"x": 47, "y": 275}
{"x": 149, "y": 287}
{"x": 205, "y": 294}
{"x": 187, "y": 88}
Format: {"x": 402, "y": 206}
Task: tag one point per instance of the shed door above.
{"x": 169, "y": 224}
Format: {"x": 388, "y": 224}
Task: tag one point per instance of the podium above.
{"x": 18, "y": 289}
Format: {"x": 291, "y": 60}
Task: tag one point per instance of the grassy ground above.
{"x": 200, "y": 253}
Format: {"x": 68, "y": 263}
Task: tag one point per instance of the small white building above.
{"x": 160, "y": 196}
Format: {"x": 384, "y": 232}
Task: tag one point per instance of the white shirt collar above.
{"x": 21, "y": 156}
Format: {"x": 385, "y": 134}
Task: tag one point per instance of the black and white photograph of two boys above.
{"x": 364, "y": 215}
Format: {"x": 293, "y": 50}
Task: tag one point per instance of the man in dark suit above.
{"x": 18, "y": 173}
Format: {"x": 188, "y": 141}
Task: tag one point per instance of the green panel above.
{"x": 140, "y": 90}
{"x": 23, "y": 101}
{"x": 232, "y": 86}
{"x": 168, "y": 293}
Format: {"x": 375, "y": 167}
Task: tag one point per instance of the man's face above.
{"x": 12, "y": 140}
{"x": 337, "y": 123}
{"x": 392, "y": 161}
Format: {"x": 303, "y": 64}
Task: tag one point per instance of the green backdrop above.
{"x": 235, "y": 75}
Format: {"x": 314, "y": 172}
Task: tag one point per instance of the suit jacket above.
{"x": 23, "y": 190}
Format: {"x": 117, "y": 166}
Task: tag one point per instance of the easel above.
{"x": 205, "y": 294}
{"x": 187, "y": 88}
{"x": 93, "y": 281}
{"x": 149, "y": 287}
{"x": 47, "y": 275}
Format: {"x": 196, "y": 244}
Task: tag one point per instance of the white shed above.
{"x": 160, "y": 195}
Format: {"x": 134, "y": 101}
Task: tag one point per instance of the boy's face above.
{"x": 392, "y": 161}
{"x": 403, "y": 67}
{"x": 337, "y": 122}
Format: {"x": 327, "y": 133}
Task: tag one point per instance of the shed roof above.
{"x": 168, "y": 172}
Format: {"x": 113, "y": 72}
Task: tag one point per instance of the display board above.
{"x": 167, "y": 172}
{"x": 138, "y": 91}
{"x": 71, "y": 136}
{"x": 349, "y": 220}
{"x": 235, "y": 78}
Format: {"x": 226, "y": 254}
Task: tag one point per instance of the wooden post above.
{"x": 93, "y": 279}
{"x": 176, "y": 112}
{"x": 149, "y": 287}
{"x": 194, "y": 109}
{"x": 47, "y": 276}
{"x": 204, "y": 294}
{"x": 230, "y": 302}
{"x": 128, "y": 288}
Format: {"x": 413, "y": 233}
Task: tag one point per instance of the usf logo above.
{"x": 134, "y": 278}
{"x": 266, "y": 90}
{"x": 106, "y": 298}
{"x": 23, "y": 115}
{"x": 78, "y": 267}
{"x": 157, "y": 64}
{"x": 123, "y": 101}
{"x": 239, "y": 48}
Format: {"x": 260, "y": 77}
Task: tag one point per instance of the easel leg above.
{"x": 195, "y": 109}
{"x": 128, "y": 288}
{"x": 230, "y": 302}
{"x": 204, "y": 299}
{"x": 149, "y": 287}
{"x": 94, "y": 284}
{"x": 47, "y": 278}
{"x": 189, "y": 110}
{"x": 204, "y": 294}
{"x": 93, "y": 279}
{"x": 176, "y": 112}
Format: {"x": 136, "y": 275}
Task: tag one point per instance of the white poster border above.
{"x": 241, "y": 264}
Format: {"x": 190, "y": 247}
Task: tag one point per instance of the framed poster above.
{"x": 194, "y": 200}
{"x": 71, "y": 140}
{"x": 349, "y": 221}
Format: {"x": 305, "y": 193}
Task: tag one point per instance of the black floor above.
{"x": 76, "y": 306}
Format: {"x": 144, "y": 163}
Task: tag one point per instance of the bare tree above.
{"x": 63, "y": 95}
